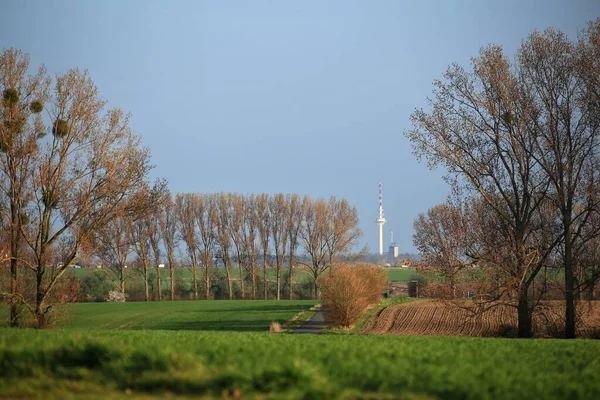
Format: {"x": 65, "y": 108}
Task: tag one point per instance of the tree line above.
{"x": 520, "y": 140}
{"x": 243, "y": 235}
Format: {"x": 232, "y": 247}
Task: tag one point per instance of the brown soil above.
{"x": 430, "y": 317}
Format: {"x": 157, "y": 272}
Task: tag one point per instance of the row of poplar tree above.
{"x": 245, "y": 235}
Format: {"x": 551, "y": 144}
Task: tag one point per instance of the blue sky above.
{"x": 308, "y": 97}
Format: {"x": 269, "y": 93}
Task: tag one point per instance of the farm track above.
{"x": 428, "y": 317}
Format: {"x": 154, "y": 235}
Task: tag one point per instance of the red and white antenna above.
{"x": 381, "y": 220}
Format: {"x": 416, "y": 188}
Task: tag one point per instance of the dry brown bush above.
{"x": 348, "y": 291}
{"x": 275, "y": 327}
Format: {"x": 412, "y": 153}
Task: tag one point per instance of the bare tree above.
{"x": 206, "y": 216}
{"x": 113, "y": 246}
{"x": 168, "y": 229}
{"x": 479, "y": 129}
{"x": 264, "y": 230}
{"x": 567, "y": 129}
{"x": 236, "y": 231}
{"x": 21, "y": 127}
{"x": 441, "y": 236}
{"x": 293, "y": 226}
{"x": 154, "y": 237}
{"x": 278, "y": 209}
{"x": 313, "y": 237}
{"x": 343, "y": 229}
{"x": 83, "y": 177}
{"x": 249, "y": 237}
{"x": 222, "y": 221}
{"x": 185, "y": 206}
{"x": 140, "y": 236}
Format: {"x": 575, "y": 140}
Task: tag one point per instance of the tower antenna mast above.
{"x": 381, "y": 220}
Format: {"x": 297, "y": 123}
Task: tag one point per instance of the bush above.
{"x": 115, "y": 296}
{"x": 347, "y": 292}
{"x": 95, "y": 286}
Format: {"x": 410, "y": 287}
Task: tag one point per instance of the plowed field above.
{"x": 428, "y": 317}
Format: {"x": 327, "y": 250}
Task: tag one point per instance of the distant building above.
{"x": 393, "y": 251}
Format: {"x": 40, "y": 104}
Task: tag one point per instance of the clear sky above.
{"x": 308, "y": 97}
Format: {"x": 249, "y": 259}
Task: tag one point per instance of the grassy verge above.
{"x": 167, "y": 364}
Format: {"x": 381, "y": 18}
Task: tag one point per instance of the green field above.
{"x": 401, "y": 274}
{"x": 119, "y": 364}
{"x": 216, "y": 315}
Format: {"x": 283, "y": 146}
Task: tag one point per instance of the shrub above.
{"x": 347, "y": 292}
{"x": 275, "y": 327}
{"x": 116, "y": 296}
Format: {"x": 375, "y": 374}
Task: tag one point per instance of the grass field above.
{"x": 216, "y": 315}
{"x": 140, "y": 364}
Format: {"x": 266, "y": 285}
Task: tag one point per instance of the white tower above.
{"x": 381, "y": 220}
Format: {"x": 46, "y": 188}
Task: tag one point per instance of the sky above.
{"x": 307, "y": 97}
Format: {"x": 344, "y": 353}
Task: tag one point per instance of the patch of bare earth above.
{"x": 430, "y": 317}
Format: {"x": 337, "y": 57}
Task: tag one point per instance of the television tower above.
{"x": 381, "y": 220}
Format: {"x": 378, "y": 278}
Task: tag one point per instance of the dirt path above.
{"x": 313, "y": 325}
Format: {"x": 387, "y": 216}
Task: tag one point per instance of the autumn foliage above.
{"x": 348, "y": 290}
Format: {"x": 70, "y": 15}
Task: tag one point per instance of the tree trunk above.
{"x": 265, "y": 275}
{"x": 14, "y": 307}
{"x": 291, "y": 280}
{"x": 569, "y": 282}
{"x": 122, "y": 279}
{"x": 207, "y": 281}
{"x": 524, "y": 315}
{"x": 278, "y": 283}
{"x": 146, "y": 288}
{"x": 243, "y": 292}
{"x": 158, "y": 285}
{"x": 229, "y": 286}
{"x": 171, "y": 276}
{"x": 195, "y": 280}
{"x": 253, "y": 282}
{"x": 39, "y": 314}
{"x": 14, "y": 256}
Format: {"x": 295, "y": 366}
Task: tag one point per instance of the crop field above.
{"x": 141, "y": 364}
{"x": 215, "y": 315}
{"x": 428, "y": 317}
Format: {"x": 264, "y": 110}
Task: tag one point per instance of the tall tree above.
{"x": 83, "y": 178}
{"x": 236, "y": 231}
{"x": 278, "y": 209}
{"x": 223, "y": 217}
{"x": 249, "y": 238}
{"x": 205, "y": 208}
{"x": 140, "y": 237}
{"x": 168, "y": 229}
{"x": 479, "y": 129}
{"x": 21, "y": 127}
{"x": 567, "y": 130}
{"x": 313, "y": 237}
{"x": 185, "y": 204}
{"x": 293, "y": 226}
{"x": 154, "y": 237}
{"x": 264, "y": 230}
